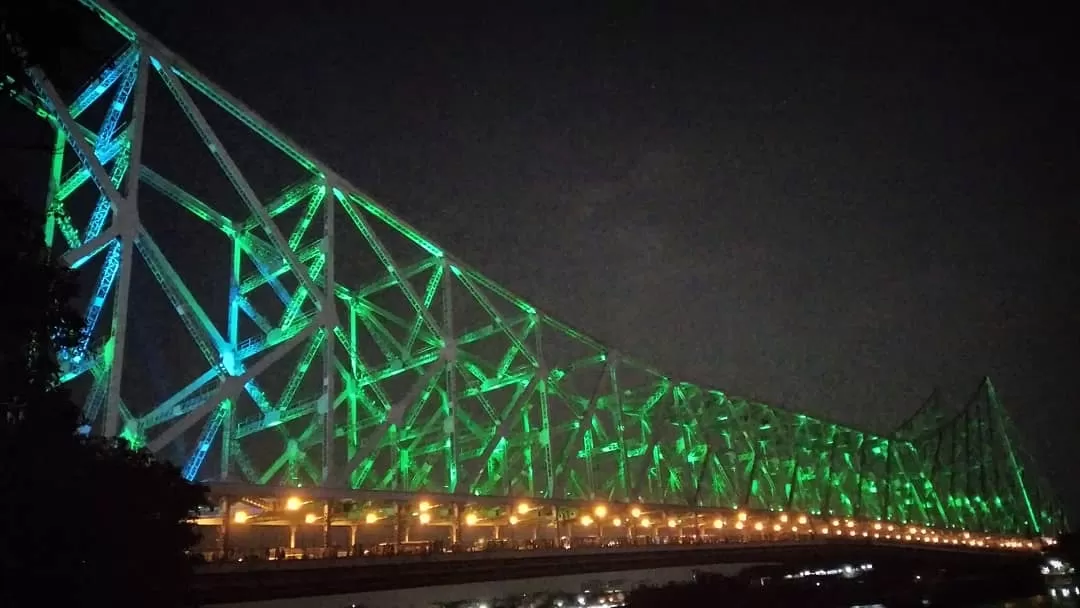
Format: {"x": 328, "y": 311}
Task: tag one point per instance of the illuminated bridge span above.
{"x": 357, "y": 367}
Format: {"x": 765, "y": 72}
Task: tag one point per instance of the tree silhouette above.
{"x": 83, "y": 521}
{"x": 38, "y": 33}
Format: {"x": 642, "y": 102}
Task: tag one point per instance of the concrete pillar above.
{"x": 495, "y": 531}
{"x": 292, "y": 536}
{"x": 558, "y": 525}
{"x": 352, "y": 538}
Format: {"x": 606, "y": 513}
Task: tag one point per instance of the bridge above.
{"x": 356, "y": 384}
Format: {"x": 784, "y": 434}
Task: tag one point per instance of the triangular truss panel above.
{"x": 983, "y": 477}
{"x": 314, "y": 339}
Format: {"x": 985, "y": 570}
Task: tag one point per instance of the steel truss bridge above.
{"x": 353, "y": 358}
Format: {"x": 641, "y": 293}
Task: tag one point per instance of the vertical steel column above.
{"x": 329, "y": 320}
{"x": 127, "y": 222}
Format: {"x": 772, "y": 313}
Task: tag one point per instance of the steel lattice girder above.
{"x": 422, "y": 375}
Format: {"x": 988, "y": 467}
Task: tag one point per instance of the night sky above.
{"x": 835, "y": 212}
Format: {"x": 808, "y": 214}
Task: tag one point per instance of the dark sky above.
{"x": 835, "y": 212}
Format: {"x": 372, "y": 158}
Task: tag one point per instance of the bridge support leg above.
{"x": 327, "y": 513}
{"x": 226, "y": 527}
{"x": 352, "y": 541}
{"x": 292, "y": 537}
{"x": 495, "y": 531}
{"x": 455, "y": 526}
{"x": 401, "y": 526}
{"x": 555, "y": 519}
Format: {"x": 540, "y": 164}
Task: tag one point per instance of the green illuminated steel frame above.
{"x": 460, "y": 387}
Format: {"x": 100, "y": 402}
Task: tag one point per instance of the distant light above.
{"x": 523, "y": 508}
{"x": 471, "y": 519}
{"x": 425, "y": 519}
{"x": 586, "y": 520}
{"x": 636, "y": 512}
{"x": 600, "y": 511}
{"x": 425, "y": 506}
{"x": 513, "y": 520}
{"x": 310, "y": 518}
{"x": 718, "y": 523}
{"x": 371, "y": 518}
{"x": 294, "y": 503}
{"x": 671, "y": 523}
{"x": 616, "y": 522}
{"x": 240, "y": 517}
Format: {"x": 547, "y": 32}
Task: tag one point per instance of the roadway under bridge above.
{"x": 337, "y": 581}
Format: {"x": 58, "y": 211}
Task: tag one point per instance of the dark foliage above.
{"x": 82, "y": 521}
{"x": 39, "y": 33}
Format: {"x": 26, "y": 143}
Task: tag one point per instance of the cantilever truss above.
{"x": 383, "y": 363}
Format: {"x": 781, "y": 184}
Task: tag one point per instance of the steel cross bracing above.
{"x": 386, "y": 364}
